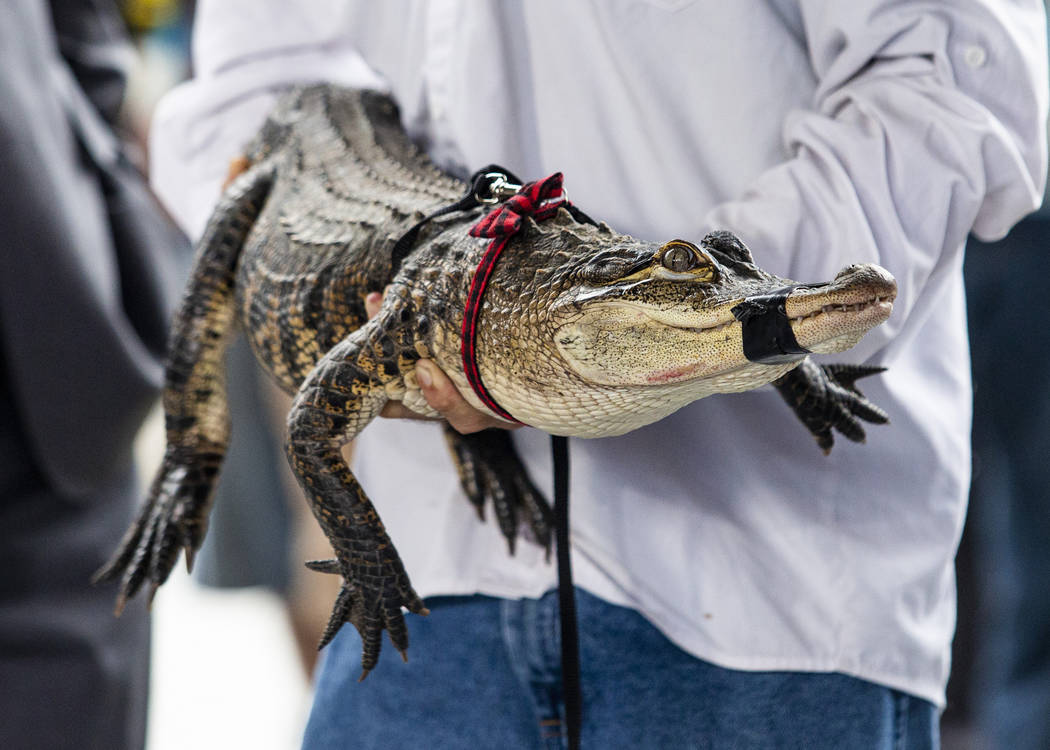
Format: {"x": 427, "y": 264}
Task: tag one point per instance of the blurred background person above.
{"x": 89, "y": 272}
{"x": 1010, "y": 496}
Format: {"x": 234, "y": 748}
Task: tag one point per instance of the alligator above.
{"x": 581, "y": 331}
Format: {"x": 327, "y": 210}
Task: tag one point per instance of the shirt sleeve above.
{"x": 244, "y": 54}
{"x": 928, "y": 121}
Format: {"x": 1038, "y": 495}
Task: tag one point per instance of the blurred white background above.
{"x": 225, "y": 673}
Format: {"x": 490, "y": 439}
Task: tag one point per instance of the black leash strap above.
{"x": 570, "y": 642}
{"x": 479, "y": 193}
{"x": 485, "y": 185}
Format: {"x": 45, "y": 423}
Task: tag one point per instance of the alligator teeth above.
{"x": 840, "y": 308}
{"x": 712, "y": 329}
{"x": 826, "y": 308}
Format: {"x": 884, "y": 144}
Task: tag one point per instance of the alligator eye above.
{"x": 678, "y": 258}
{"x": 684, "y": 261}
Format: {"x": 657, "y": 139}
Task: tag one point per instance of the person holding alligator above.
{"x": 736, "y": 587}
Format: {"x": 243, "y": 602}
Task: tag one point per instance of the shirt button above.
{"x": 975, "y": 55}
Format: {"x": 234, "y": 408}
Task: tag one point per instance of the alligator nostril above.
{"x": 846, "y": 271}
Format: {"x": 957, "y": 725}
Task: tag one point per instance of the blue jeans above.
{"x": 485, "y": 673}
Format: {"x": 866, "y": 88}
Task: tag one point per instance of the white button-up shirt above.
{"x": 823, "y": 133}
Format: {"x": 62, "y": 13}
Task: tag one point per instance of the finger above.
{"x": 373, "y": 301}
{"x": 238, "y": 166}
{"x": 442, "y": 395}
{"x": 397, "y": 410}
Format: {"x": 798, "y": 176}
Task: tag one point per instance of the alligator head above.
{"x": 651, "y": 327}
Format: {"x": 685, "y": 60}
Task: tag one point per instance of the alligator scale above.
{"x": 580, "y": 331}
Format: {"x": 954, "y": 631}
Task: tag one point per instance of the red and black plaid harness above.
{"x": 537, "y": 200}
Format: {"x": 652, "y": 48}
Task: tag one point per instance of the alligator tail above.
{"x": 174, "y": 516}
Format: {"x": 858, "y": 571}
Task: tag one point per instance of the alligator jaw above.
{"x": 619, "y": 344}
{"x": 833, "y": 317}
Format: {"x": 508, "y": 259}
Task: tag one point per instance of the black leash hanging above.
{"x": 570, "y": 641}
{"x": 488, "y": 186}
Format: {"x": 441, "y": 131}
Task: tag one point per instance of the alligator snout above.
{"x": 870, "y": 274}
{"x": 773, "y": 324}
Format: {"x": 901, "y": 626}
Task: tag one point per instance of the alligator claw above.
{"x": 826, "y": 398}
{"x": 118, "y": 608}
{"x": 371, "y": 610}
{"x": 325, "y": 566}
{"x": 340, "y": 614}
{"x": 172, "y": 520}
{"x": 489, "y": 469}
{"x": 154, "y": 585}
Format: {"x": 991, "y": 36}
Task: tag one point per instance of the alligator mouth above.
{"x": 834, "y": 316}
{"x": 842, "y": 308}
{"x": 619, "y": 343}
{"x": 831, "y": 327}
{"x": 858, "y": 293}
{"x": 877, "y": 306}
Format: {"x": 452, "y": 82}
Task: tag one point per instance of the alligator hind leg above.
{"x": 342, "y": 394}
{"x": 174, "y": 516}
{"x": 489, "y": 468}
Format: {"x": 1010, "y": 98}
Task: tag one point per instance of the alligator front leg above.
{"x": 825, "y": 397}
{"x": 340, "y": 396}
{"x": 489, "y": 467}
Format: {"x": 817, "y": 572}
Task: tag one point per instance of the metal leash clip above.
{"x": 494, "y": 187}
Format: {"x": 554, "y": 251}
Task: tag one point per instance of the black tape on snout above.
{"x": 767, "y": 335}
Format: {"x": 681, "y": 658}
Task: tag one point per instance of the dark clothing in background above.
{"x": 88, "y": 277}
{"x": 1010, "y": 498}
{"x": 82, "y": 319}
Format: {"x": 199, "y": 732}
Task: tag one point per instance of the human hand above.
{"x": 238, "y": 165}
{"x": 439, "y": 392}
